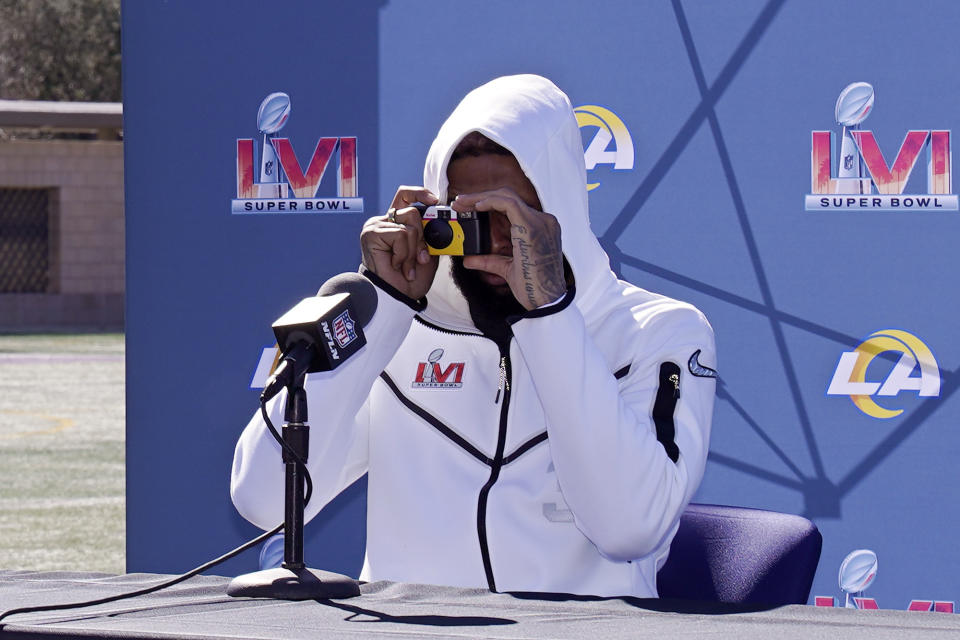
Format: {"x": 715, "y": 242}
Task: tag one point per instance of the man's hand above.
{"x": 535, "y": 270}
{"x": 395, "y": 250}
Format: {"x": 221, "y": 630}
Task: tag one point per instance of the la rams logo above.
{"x": 609, "y": 128}
{"x": 850, "y": 376}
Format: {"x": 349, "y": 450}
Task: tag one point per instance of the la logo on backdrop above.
{"x": 850, "y": 375}
{"x": 860, "y": 155}
{"x": 610, "y": 128}
{"x": 268, "y": 190}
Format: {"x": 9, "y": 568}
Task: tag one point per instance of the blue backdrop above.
{"x": 718, "y": 102}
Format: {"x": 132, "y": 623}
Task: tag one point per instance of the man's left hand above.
{"x": 535, "y": 270}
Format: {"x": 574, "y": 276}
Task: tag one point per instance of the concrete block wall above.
{"x": 86, "y": 225}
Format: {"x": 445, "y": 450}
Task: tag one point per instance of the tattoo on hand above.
{"x": 526, "y": 266}
{"x": 541, "y": 264}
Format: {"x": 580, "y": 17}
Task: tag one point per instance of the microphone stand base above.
{"x": 290, "y": 584}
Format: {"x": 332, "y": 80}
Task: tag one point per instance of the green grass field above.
{"x": 62, "y": 452}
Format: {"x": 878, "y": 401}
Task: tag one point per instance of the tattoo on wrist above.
{"x": 526, "y": 268}
{"x": 541, "y": 264}
{"x": 554, "y": 283}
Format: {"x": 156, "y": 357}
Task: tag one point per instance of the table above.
{"x": 199, "y": 608}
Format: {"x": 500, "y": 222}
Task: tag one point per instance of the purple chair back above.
{"x": 735, "y": 554}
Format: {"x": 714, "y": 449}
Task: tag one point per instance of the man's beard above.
{"x": 489, "y": 308}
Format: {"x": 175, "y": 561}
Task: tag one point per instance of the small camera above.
{"x": 452, "y": 233}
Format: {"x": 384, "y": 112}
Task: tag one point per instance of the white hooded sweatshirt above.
{"x": 557, "y": 461}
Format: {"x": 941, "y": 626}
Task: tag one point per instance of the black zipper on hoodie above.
{"x": 503, "y": 396}
{"x": 507, "y": 372}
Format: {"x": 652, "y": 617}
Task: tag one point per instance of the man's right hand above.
{"x": 396, "y": 251}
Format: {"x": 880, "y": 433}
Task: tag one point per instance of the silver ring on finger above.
{"x": 392, "y": 216}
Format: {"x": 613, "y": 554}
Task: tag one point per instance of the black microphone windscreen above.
{"x": 363, "y": 297}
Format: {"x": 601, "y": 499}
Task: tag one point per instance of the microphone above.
{"x": 322, "y": 331}
{"x": 318, "y": 334}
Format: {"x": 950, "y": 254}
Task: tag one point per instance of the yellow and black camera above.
{"x": 452, "y": 233}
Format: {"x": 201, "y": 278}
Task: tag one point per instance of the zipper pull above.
{"x": 501, "y": 383}
{"x": 675, "y": 379}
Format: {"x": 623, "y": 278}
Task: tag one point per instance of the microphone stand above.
{"x": 294, "y": 580}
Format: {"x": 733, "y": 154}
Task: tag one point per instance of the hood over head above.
{"x": 534, "y": 120}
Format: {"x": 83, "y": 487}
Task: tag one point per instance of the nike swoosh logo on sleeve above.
{"x": 698, "y": 369}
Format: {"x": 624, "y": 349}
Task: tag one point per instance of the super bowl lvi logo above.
{"x": 271, "y": 180}
{"x": 861, "y": 178}
{"x": 607, "y": 128}
{"x": 850, "y": 377}
{"x": 433, "y": 375}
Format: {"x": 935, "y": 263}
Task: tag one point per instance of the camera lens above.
{"x": 438, "y": 234}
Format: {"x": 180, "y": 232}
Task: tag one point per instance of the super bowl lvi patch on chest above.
{"x": 434, "y": 374}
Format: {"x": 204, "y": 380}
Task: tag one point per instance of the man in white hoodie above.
{"x": 527, "y": 421}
